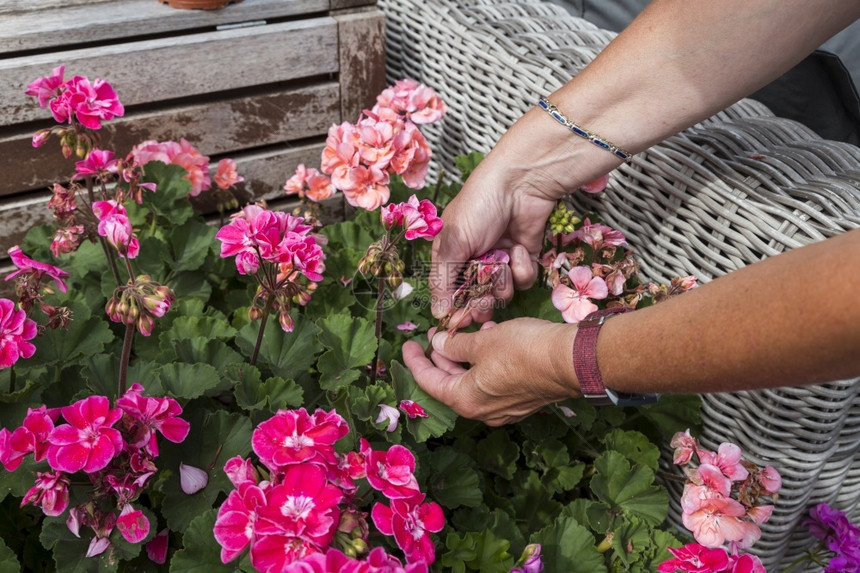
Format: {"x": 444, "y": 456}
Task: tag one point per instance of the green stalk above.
{"x": 123, "y": 361}
{"x": 379, "y": 299}
{"x": 266, "y": 310}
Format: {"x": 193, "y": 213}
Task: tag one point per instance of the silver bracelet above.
{"x": 577, "y": 129}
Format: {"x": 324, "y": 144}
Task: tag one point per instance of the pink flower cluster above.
{"x": 361, "y": 157}
{"x": 305, "y": 516}
{"x": 310, "y": 183}
{"x": 722, "y": 500}
{"x": 16, "y": 330}
{"x": 418, "y": 218}
{"x": 186, "y": 156}
{"x": 267, "y": 240}
{"x": 115, "y": 226}
{"x": 89, "y": 103}
{"x": 588, "y": 265}
{"x": 695, "y": 558}
{"x": 115, "y": 447}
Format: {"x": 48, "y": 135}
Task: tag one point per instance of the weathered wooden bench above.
{"x": 260, "y": 81}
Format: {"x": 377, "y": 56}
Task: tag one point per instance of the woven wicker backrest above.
{"x": 738, "y": 187}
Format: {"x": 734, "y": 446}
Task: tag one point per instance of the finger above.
{"x": 523, "y": 267}
{"x": 503, "y": 288}
{"x": 436, "y": 382}
{"x": 449, "y": 254}
{"x": 482, "y": 309}
{"x": 488, "y": 325}
{"x": 459, "y": 348}
{"x": 445, "y": 364}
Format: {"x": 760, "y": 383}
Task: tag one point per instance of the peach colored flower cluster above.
{"x": 724, "y": 497}
{"x": 362, "y": 156}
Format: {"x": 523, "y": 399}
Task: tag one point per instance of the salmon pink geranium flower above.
{"x": 310, "y": 183}
{"x": 575, "y": 301}
{"x": 226, "y": 175}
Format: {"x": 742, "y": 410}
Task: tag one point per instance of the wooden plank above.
{"x": 9, "y": 6}
{"x": 67, "y": 25}
{"x": 156, "y": 70}
{"x": 218, "y": 127}
{"x": 265, "y": 173}
{"x": 362, "y": 60}
{"x": 341, "y": 4}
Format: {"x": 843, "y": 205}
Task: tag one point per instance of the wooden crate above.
{"x": 260, "y": 81}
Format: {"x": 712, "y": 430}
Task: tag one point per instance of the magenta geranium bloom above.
{"x": 132, "y": 524}
{"x": 51, "y": 492}
{"x": 391, "y": 472}
{"x": 150, "y": 415}
{"x": 695, "y": 558}
{"x": 234, "y": 525}
{"x": 294, "y": 436}
{"x": 413, "y": 409}
{"x": 87, "y": 442}
{"x": 31, "y": 437}
{"x": 47, "y": 88}
{"x": 35, "y": 269}
{"x": 99, "y": 163}
{"x": 15, "y": 330}
{"x": 410, "y": 522}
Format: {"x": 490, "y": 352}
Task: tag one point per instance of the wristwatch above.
{"x": 587, "y": 371}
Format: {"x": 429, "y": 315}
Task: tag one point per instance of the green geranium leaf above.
{"x": 193, "y": 326}
{"x": 634, "y": 446}
{"x": 460, "y": 550}
{"x": 287, "y": 354}
{"x": 365, "y": 403}
{"x": 532, "y": 501}
{"x": 150, "y": 261}
{"x": 498, "y": 454}
{"x": 347, "y": 234}
{"x": 595, "y": 515}
{"x": 170, "y": 199}
{"x": 630, "y": 539}
{"x": 254, "y": 394}
{"x": 188, "y": 381}
{"x": 70, "y": 552}
{"x": 190, "y": 284}
{"x": 453, "y": 480}
{"x": 89, "y": 257}
{"x": 215, "y": 437}
{"x": 675, "y": 413}
{"x": 351, "y": 344}
{"x": 201, "y": 349}
{"x": 189, "y": 246}
{"x": 440, "y": 418}
{"x": 200, "y": 552}
{"x": 8, "y": 561}
{"x": 492, "y": 554}
{"x": 19, "y": 482}
{"x": 629, "y": 488}
{"x": 567, "y": 545}
{"x": 102, "y": 374}
{"x": 64, "y": 346}
{"x": 29, "y": 383}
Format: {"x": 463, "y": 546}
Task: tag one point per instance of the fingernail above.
{"x": 439, "y": 341}
{"x": 438, "y": 310}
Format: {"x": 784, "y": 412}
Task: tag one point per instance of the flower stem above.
{"x": 123, "y": 361}
{"x": 266, "y": 310}
{"x": 379, "y": 299}
{"x": 438, "y": 185}
{"x": 114, "y": 270}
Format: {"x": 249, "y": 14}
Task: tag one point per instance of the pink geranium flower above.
{"x": 51, "y": 492}
{"x": 226, "y": 175}
{"x": 575, "y": 303}
{"x": 234, "y": 526}
{"x": 310, "y": 183}
{"x": 418, "y": 218}
{"x": 391, "y": 472}
{"x": 240, "y": 471}
{"x": 35, "y": 270}
{"x": 88, "y": 103}
{"x": 47, "y": 88}
{"x": 596, "y": 235}
{"x": 66, "y": 240}
{"x": 685, "y": 445}
{"x": 156, "y": 549}
{"x": 715, "y": 519}
{"x": 407, "y": 326}
{"x": 31, "y": 437}
{"x": 770, "y": 480}
{"x": 88, "y": 442}
{"x": 727, "y": 458}
{"x": 414, "y": 101}
{"x": 411, "y": 522}
{"x": 115, "y": 226}
{"x": 148, "y": 415}
{"x": 294, "y": 436}
{"x": 180, "y": 153}
{"x": 99, "y": 164}
{"x": 413, "y": 409}
{"x": 15, "y": 331}
{"x": 695, "y": 558}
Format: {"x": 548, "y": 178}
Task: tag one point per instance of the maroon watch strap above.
{"x": 585, "y": 354}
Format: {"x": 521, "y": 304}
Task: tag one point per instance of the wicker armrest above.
{"x": 738, "y": 187}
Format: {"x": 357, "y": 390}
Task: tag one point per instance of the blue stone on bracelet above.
{"x": 558, "y": 117}
{"x": 543, "y": 103}
{"x": 580, "y": 132}
{"x": 600, "y": 143}
{"x": 622, "y": 155}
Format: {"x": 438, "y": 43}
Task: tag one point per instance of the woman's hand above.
{"x": 516, "y": 368}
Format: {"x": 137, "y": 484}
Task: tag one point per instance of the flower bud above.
{"x": 394, "y": 279}
{"x": 145, "y": 324}
{"x": 41, "y": 137}
{"x": 286, "y": 321}
{"x": 255, "y": 313}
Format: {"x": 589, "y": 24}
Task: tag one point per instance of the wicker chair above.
{"x": 738, "y": 187}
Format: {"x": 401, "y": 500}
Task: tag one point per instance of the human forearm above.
{"x": 791, "y": 319}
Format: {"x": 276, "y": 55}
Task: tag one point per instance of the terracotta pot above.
{"x": 198, "y": 4}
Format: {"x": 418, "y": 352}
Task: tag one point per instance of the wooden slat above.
{"x": 341, "y": 4}
{"x": 362, "y": 60}
{"x": 69, "y": 24}
{"x": 8, "y": 6}
{"x": 157, "y": 70}
{"x": 218, "y": 127}
{"x": 264, "y": 172}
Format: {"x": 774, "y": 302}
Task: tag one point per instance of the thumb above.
{"x": 449, "y": 254}
{"x": 460, "y": 348}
